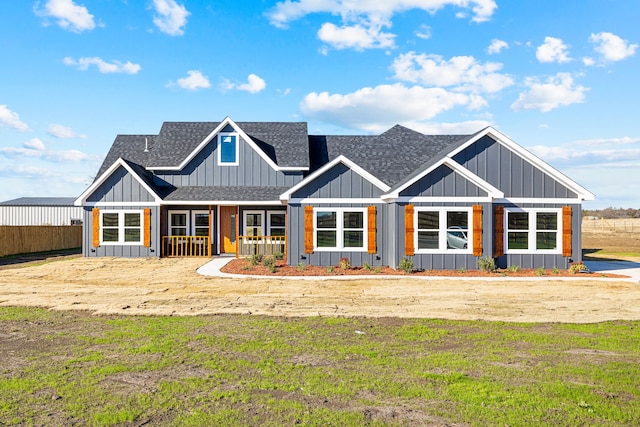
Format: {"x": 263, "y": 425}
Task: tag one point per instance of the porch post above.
{"x": 237, "y": 229}
{"x": 210, "y": 231}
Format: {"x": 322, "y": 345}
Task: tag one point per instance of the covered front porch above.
{"x": 205, "y": 231}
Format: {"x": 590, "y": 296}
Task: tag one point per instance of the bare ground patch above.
{"x": 172, "y": 286}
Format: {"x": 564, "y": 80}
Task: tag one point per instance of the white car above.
{"x": 457, "y": 238}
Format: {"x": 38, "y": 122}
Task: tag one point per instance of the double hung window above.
{"x": 340, "y": 229}
{"x": 121, "y": 227}
{"x": 276, "y": 223}
{"x": 533, "y": 230}
{"x": 442, "y": 230}
{"x": 253, "y": 223}
{"x": 186, "y": 223}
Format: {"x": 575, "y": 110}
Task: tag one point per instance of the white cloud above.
{"x": 34, "y": 144}
{"x": 357, "y": 37}
{"x": 171, "y": 17}
{"x": 363, "y": 21}
{"x": 254, "y": 84}
{"x": 384, "y": 105}
{"x": 461, "y": 128}
{"x": 11, "y": 119}
{"x": 589, "y": 62}
{"x": 464, "y": 73}
{"x": 69, "y": 15}
{"x": 60, "y": 131}
{"x": 50, "y": 155}
{"x": 612, "y": 47}
{"x": 290, "y": 10}
{"x": 496, "y": 46}
{"x": 104, "y": 67}
{"x": 195, "y": 80}
{"x": 424, "y": 32}
{"x": 552, "y": 50}
{"x": 609, "y": 141}
{"x": 557, "y": 91}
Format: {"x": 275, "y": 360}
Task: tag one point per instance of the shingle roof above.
{"x": 227, "y": 193}
{"x": 284, "y": 142}
{"x": 392, "y": 156}
{"x": 131, "y": 148}
{"x": 40, "y": 201}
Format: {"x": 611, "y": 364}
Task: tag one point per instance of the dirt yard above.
{"x": 172, "y": 287}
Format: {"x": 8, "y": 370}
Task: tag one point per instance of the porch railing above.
{"x": 263, "y": 245}
{"x": 185, "y": 246}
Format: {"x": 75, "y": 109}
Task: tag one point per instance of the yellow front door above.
{"x": 228, "y": 229}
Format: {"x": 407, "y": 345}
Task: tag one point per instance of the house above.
{"x": 209, "y": 188}
{"x": 40, "y": 211}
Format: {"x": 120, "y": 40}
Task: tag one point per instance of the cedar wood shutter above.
{"x": 499, "y": 231}
{"x": 409, "y": 248}
{"x": 95, "y": 227}
{"x": 308, "y": 229}
{"x": 566, "y": 231}
{"x": 371, "y": 230}
{"x": 477, "y": 230}
{"x": 147, "y": 227}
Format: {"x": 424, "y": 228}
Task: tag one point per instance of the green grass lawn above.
{"x": 72, "y": 368}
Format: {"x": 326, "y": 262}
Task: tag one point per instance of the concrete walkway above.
{"x": 625, "y": 268}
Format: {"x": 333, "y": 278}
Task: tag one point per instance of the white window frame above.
{"x": 269, "y": 214}
{"x": 121, "y": 227}
{"x": 221, "y": 135}
{"x": 192, "y": 230}
{"x": 532, "y": 231}
{"x": 442, "y": 229}
{"x": 187, "y": 225}
{"x": 340, "y": 230}
{"x": 244, "y": 221}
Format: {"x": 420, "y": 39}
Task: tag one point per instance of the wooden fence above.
{"x": 618, "y": 225}
{"x": 42, "y": 238}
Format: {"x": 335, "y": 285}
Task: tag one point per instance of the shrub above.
{"x": 366, "y": 266}
{"x": 345, "y": 264}
{"x": 514, "y": 268}
{"x": 278, "y": 256}
{"x": 269, "y": 262}
{"x": 540, "y": 271}
{"x": 255, "y": 259}
{"x": 555, "y": 270}
{"x": 377, "y": 270}
{"x": 577, "y": 267}
{"x": 462, "y": 270}
{"x": 301, "y": 266}
{"x": 330, "y": 269}
{"x": 406, "y": 264}
{"x": 487, "y": 264}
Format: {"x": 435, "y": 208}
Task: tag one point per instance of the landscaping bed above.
{"x": 245, "y": 266}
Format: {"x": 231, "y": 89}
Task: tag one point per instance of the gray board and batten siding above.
{"x": 509, "y": 172}
{"x": 252, "y": 170}
{"x": 338, "y": 182}
{"x": 124, "y": 251}
{"x": 121, "y": 186}
{"x": 443, "y": 182}
{"x": 296, "y": 249}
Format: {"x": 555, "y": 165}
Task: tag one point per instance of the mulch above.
{"x": 243, "y": 266}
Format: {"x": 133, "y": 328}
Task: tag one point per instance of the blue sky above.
{"x": 558, "y": 77}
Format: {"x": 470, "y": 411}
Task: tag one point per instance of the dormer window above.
{"x": 228, "y": 149}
